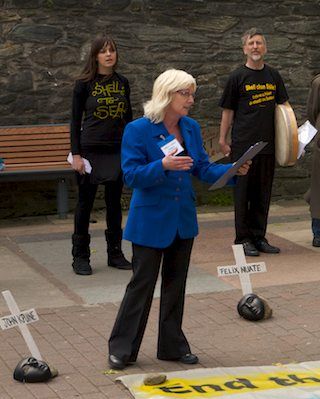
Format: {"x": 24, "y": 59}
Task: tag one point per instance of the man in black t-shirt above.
{"x": 248, "y": 103}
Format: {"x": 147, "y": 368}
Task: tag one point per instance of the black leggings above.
{"x": 112, "y": 197}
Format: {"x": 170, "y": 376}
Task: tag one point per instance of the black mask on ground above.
{"x": 32, "y": 370}
{"x": 251, "y": 307}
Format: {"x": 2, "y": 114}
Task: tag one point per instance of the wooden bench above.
{"x": 38, "y": 152}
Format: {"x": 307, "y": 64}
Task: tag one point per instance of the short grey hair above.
{"x": 164, "y": 87}
{"x": 250, "y": 33}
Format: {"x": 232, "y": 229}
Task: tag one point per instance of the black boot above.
{"x": 81, "y": 254}
{"x": 115, "y": 254}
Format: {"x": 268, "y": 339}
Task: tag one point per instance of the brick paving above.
{"x": 73, "y": 339}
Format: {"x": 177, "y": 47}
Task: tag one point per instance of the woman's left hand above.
{"x": 244, "y": 168}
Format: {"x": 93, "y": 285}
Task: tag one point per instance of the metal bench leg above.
{"x": 62, "y": 199}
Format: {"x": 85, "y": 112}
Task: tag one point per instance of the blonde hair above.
{"x": 164, "y": 87}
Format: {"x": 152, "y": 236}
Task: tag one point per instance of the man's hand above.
{"x": 225, "y": 148}
{"x": 225, "y": 126}
{"x": 244, "y": 168}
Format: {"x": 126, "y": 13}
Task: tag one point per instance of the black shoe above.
{"x": 119, "y": 261}
{"x": 81, "y": 266}
{"x": 263, "y": 246}
{"x": 116, "y": 363}
{"x": 250, "y": 249}
{"x": 316, "y": 242}
{"x": 189, "y": 358}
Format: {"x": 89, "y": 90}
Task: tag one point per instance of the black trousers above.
{"x": 252, "y": 195}
{"x": 112, "y": 196}
{"x": 130, "y": 324}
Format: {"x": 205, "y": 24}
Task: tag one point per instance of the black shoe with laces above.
{"x": 262, "y": 245}
{"x": 250, "y": 249}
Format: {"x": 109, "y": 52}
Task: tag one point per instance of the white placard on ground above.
{"x": 242, "y": 269}
{"x": 13, "y": 320}
{"x": 234, "y": 270}
{"x": 15, "y": 312}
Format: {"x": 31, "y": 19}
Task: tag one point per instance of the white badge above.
{"x": 170, "y": 144}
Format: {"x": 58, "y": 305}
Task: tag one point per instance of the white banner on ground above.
{"x": 290, "y": 381}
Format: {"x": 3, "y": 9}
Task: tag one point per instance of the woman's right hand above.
{"x": 78, "y": 164}
{"x": 171, "y": 162}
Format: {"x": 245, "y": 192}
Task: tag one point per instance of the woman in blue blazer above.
{"x": 160, "y": 152}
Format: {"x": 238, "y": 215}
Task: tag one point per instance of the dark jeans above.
{"x": 316, "y": 227}
{"x": 129, "y": 327}
{"x": 112, "y": 196}
{"x": 252, "y": 195}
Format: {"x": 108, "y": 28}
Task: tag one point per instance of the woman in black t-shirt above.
{"x": 100, "y": 110}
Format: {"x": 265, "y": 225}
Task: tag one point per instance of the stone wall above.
{"x": 43, "y": 44}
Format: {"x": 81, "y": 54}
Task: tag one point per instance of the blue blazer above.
{"x": 163, "y": 202}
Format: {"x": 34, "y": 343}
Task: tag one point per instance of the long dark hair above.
{"x": 91, "y": 67}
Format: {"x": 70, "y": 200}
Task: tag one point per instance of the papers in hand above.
{"x": 249, "y": 154}
{"x": 306, "y": 133}
{"x": 87, "y": 166}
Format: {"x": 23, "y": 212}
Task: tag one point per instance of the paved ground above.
{"x": 77, "y": 313}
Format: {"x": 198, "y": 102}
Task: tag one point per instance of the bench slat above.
{"x": 38, "y": 129}
{"x": 35, "y": 159}
{"x": 43, "y": 136}
{"x": 40, "y": 165}
{"x": 32, "y": 154}
{"x": 37, "y": 143}
{"x": 33, "y": 148}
